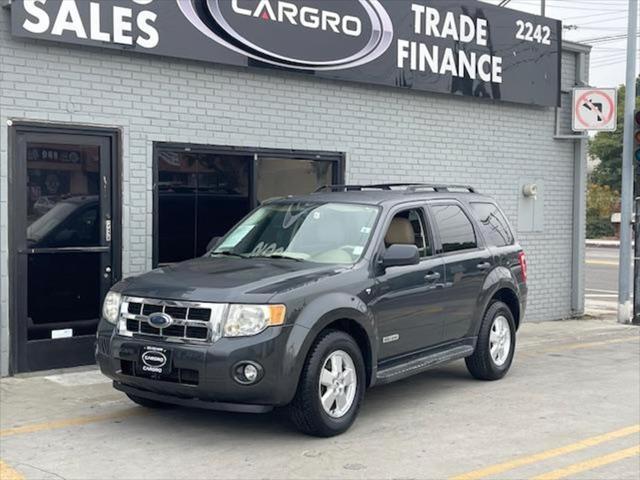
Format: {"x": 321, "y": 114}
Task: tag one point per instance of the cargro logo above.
{"x": 297, "y": 34}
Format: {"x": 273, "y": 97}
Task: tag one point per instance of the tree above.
{"x": 607, "y": 146}
{"x": 601, "y": 202}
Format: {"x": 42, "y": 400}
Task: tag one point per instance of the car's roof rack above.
{"x": 408, "y": 187}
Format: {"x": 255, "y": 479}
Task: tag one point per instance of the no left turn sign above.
{"x": 594, "y": 109}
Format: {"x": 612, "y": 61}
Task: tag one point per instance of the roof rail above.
{"x": 408, "y": 187}
{"x": 441, "y": 188}
{"x": 377, "y": 186}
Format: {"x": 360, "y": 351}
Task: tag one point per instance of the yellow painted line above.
{"x": 602, "y": 262}
{"x": 589, "y": 464}
{"x": 8, "y": 473}
{"x": 554, "y": 452}
{"x": 70, "y": 422}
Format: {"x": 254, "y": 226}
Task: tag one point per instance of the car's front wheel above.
{"x": 331, "y": 386}
{"x": 496, "y": 344}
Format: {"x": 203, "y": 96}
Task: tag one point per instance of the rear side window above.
{"x": 456, "y": 231}
{"x": 493, "y": 224}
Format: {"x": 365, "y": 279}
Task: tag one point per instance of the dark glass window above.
{"x": 203, "y": 193}
{"x": 455, "y": 228}
{"x": 200, "y": 196}
{"x": 63, "y": 211}
{"x": 494, "y": 226}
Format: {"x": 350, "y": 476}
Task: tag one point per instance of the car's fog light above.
{"x": 247, "y": 373}
{"x": 250, "y": 373}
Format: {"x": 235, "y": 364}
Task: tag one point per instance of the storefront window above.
{"x": 202, "y": 194}
{"x": 302, "y": 176}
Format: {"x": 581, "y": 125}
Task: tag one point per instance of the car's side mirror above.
{"x": 213, "y": 243}
{"x": 398, "y": 255}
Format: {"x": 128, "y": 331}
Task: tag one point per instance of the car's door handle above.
{"x": 484, "y": 266}
{"x": 432, "y": 276}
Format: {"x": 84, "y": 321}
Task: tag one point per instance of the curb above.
{"x": 603, "y": 243}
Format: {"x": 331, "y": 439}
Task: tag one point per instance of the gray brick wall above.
{"x": 387, "y": 135}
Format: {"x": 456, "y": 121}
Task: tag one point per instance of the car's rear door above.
{"x": 466, "y": 263}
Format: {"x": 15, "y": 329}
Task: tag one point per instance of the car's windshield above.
{"x": 316, "y": 232}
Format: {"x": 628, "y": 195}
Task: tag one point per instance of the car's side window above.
{"x": 493, "y": 224}
{"x": 455, "y": 228}
{"x": 409, "y": 228}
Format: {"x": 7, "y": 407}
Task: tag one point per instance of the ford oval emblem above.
{"x": 296, "y": 34}
{"x": 154, "y": 359}
{"x": 159, "y": 320}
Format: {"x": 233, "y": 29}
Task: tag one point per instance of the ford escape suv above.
{"x": 312, "y": 299}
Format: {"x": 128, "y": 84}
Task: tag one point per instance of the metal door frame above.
{"x": 18, "y": 360}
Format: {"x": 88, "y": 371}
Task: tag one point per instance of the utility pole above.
{"x": 624, "y": 277}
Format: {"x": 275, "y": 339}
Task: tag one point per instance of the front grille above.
{"x": 199, "y": 314}
{"x": 192, "y": 321}
{"x": 148, "y": 309}
{"x": 134, "y": 308}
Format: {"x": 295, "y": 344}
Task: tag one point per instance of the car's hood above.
{"x": 226, "y": 279}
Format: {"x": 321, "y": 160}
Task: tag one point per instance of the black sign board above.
{"x": 462, "y": 47}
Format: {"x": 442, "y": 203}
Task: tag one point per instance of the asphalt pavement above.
{"x": 601, "y": 280}
{"x": 569, "y": 408}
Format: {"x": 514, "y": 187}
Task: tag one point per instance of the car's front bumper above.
{"x": 202, "y": 374}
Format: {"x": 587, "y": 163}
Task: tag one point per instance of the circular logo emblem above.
{"x": 159, "y": 320}
{"x": 154, "y": 359}
{"x": 296, "y": 34}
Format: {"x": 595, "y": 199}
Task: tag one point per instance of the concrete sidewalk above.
{"x": 570, "y": 407}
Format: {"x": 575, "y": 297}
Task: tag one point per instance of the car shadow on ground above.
{"x": 379, "y": 402}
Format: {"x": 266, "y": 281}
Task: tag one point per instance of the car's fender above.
{"x": 499, "y": 278}
{"x": 315, "y": 317}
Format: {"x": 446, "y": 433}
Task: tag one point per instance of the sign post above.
{"x": 626, "y": 193}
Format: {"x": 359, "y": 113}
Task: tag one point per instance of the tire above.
{"x": 482, "y": 364}
{"x": 306, "y": 411}
{"x": 148, "y": 403}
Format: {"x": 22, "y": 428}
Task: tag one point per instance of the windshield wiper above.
{"x": 229, "y": 254}
{"x": 277, "y": 255}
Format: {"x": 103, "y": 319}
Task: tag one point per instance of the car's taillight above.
{"x": 522, "y": 260}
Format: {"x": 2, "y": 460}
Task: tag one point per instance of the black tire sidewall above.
{"x": 327, "y": 345}
{"x": 495, "y": 309}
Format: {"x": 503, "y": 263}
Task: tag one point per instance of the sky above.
{"x": 584, "y": 20}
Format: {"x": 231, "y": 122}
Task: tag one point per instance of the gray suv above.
{"x": 312, "y": 299}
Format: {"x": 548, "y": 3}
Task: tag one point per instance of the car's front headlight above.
{"x": 246, "y": 320}
{"x": 111, "y": 307}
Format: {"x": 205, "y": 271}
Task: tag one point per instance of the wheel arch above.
{"x": 338, "y": 312}
{"x": 510, "y": 298}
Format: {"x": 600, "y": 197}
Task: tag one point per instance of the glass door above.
{"x": 64, "y": 224}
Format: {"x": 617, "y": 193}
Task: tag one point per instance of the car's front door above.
{"x": 466, "y": 262}
{"x": 407, "y": 306}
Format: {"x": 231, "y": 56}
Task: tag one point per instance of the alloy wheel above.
{"x": 338, "y": 384}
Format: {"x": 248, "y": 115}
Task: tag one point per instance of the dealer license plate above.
{"x": 155, "y": 360}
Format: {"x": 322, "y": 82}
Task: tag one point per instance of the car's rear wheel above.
{"x": 148, "y": 403}
{"x": 331, "y": 386}
{"x": 496, "y": 344}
